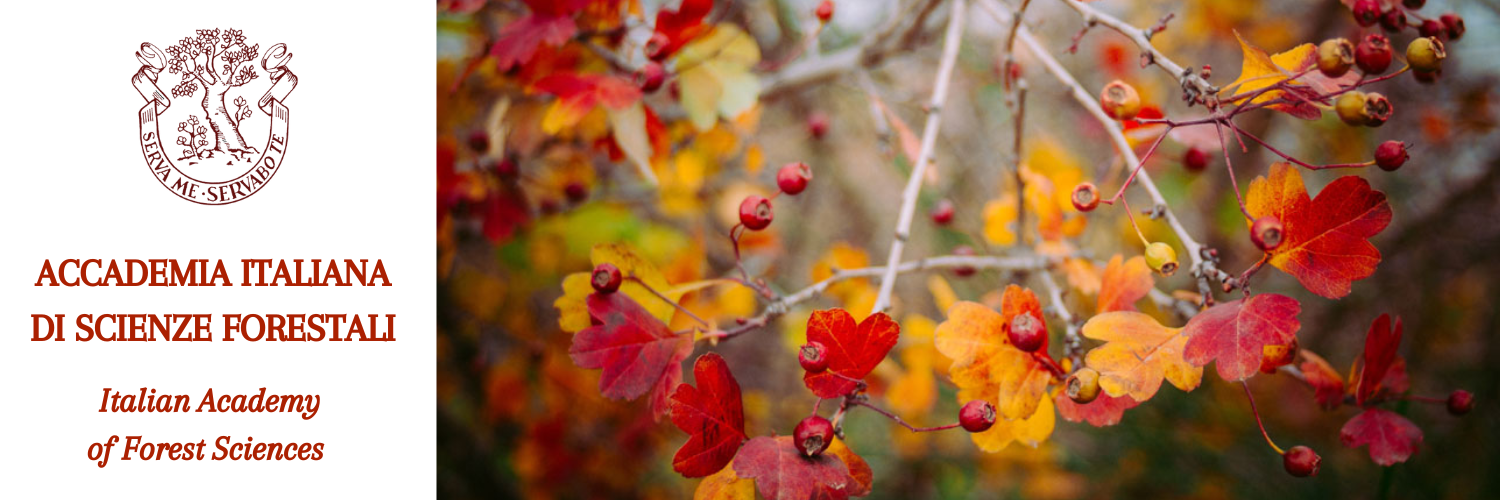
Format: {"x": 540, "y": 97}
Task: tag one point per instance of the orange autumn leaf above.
{"x": 1325, "y": 241}
{"x": 1124, "y": 283}
{"x": 860, "y": 473}
{"x": 985, "y": 364}
{"x": 1137, "y": 355}
{"x": 725, "y": 485}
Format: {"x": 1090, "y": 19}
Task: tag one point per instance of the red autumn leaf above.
{"x": 713, "y": 417}
{"x": 1327, "y": 385}
{"x": 635, "y": 350}
{"x": 518, "y": 41}
{"x": 1380, "y": 353}
{"x": 1103, "y": 411}
{"x": 684, "y": 24}
{"x": 783, "y": 473}
{"x": 1324, "y": 244}
{"x": 580, "y": 92}
{"x": 1392, "y": 438}
{"x": 1234, "y": 334}
{"x": 853, "y": 350}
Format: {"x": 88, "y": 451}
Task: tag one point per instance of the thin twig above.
{"x": 1193, "y": 84}
{"x": 893, "y": 417}
{"x": 1072, "y": 342}
{"x": 978, "y": 262}
{"x": 951, "y": 42}
{"x": 1118, "y": 136}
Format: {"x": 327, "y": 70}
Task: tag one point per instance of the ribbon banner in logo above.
{"x": 153, "y": 61}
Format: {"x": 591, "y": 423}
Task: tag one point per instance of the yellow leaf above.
{"x": 1137, "y": 355}
{"x": 715, "y": 79}
{"x": 573, "y": 311}
{"x": 1259, "y": 70}
{"x": 1031, "y": 431}
{"x": 629, "y": 127}
{"x": 573, "y": 314}
{"x": 942, "y": 292}
{"x": 999, "y": 219}
{"x": 725, "y": 485}
{"x": 841, "y": 256}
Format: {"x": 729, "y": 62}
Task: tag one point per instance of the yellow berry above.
{"x": 1426, "y": 54}
{"x": 1161, "y": 257}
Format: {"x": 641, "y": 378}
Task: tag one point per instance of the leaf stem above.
{"x": 898, "y": 420}
{"x": 1258, "y": 422}
{"x": 664, "y": 298}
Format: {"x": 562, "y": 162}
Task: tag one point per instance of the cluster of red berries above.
{"x": 1367, "y": 13}
{"x": 755, "y": 210}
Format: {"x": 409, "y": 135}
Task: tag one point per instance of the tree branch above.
{"x": 784, "y": 304}
{"x": 1194, "y": 249}
{"x": 1193, "y": 85}
{"x": 951, "y": 42}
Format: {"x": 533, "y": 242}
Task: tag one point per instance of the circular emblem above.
{"x": 222, "y": 90}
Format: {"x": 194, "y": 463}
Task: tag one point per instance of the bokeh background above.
{"x": 517, "y": 419}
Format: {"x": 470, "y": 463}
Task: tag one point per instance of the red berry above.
{"x": 576, "y": 192}
{"x": 813, "y": 435}
{"x": 942, "y": 213}
{"x": 1301, "y": 461}
{"x": 1413, "y": 4}
{"x": 1373, "y": 55}
{"x": 656, "y": 47}
{"x": 755, "y": 212}
{"x": 1027, "y": 332}
{"x": 1460, "y": 402}
{"x": 479, "y": 141}
{"x": 825, "y": 11}
{"x": 1393, "y": 20}
{"x": 606, "y": 278}
{"x": 977, "y": 416}
{"x": 1455, "y": 25}
{"x": 813, "y": 357}
{"x": 793, "y": 177}
{"x": 1195, "y": 159}
{"x": 965, "y": 271}
{"x": 1267, "y": 232}
{"x": 1367, "y": 12}
{"x": 506, "y": 168}
{"x": 1390, "y": 155}
{"x": 1086, "y": 197}
{"x": 650, "y": 77}
{"x": 1432, "y": 28}
{"x": 817, "y": 124}
{"x": 1378, "y": 109}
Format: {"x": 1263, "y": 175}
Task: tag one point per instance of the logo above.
{"x": 223, "y": 90}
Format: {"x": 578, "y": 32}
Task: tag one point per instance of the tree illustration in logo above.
{"x": 216, "y": 60}
{"x": 196, "y": 139}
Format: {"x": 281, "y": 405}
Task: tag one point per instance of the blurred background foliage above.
{"x": 516, "y": 418}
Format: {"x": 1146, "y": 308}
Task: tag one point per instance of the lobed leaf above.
{"x": 1234, "y": 334}
{"x": 712, "y": 415}
{"x": 783, "y": 473}
{"x": 1391, "y": 437}
{"x": 1137, "y": 355}
{"x": 852, "y": 350}
{"x": 1324, "y": 242}
{"x": 635, "y": 350}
